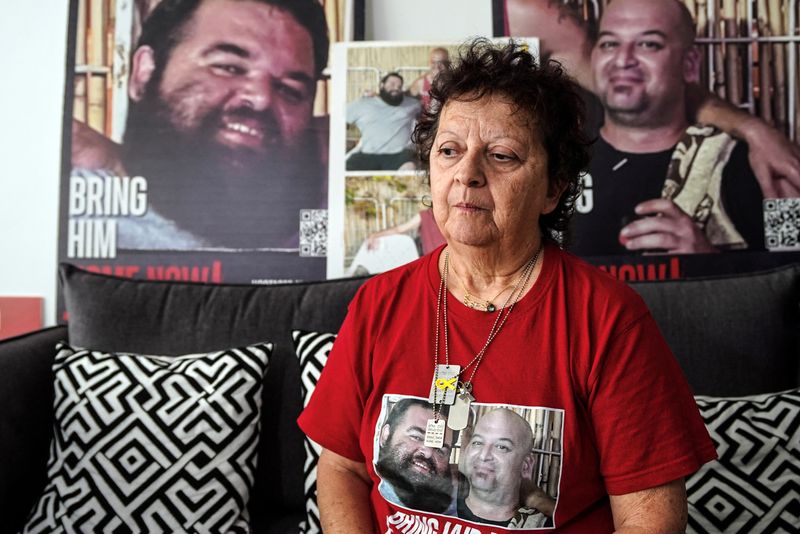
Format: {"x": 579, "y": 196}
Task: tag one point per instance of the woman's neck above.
{"x": 485, "y": 275}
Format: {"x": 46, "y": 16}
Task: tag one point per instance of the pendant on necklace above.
{"x": 434, "y": 433}
{"x": 474, "y": 303}
{"x": 444, "y": 384}
{"x": 458, "y": 417}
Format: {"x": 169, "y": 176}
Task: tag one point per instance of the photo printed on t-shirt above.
{"x": 502, "y": 471}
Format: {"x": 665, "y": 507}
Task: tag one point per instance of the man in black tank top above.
{"x": 656, "y": 183}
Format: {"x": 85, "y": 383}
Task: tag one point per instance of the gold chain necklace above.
{"x": 476, "y": 303}
{"x": 471, "y": 301}
{"x": 446, "y": 387}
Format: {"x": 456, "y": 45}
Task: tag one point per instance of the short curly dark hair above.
{"x": 543, "y": 91}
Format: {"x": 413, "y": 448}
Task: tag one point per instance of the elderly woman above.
{"x": 501, "y": 322}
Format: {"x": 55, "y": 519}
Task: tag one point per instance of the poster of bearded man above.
{"x": 194, "y": 144}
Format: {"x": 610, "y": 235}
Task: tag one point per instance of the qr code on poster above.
{"x": 782, "y": 223}
{"x": 313, "y": 233}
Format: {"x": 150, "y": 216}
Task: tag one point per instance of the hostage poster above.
{"x": 673, "y": 184}
{"x": 195, "y": 139}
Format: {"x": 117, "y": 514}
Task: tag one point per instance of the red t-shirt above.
{"x": 579, "y": 358}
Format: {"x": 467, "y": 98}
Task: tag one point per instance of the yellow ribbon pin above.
{"x": 446, "y": 383}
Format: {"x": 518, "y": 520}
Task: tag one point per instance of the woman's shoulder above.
{"x": 598, "y": 286}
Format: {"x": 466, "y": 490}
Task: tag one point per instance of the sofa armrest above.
{"x": 26, "y": 418}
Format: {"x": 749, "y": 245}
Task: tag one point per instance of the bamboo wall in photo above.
{"x": 748, "y": 50}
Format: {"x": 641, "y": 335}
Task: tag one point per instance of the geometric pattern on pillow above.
{"x": 755, "y": 484}
{"x": 152, "y": 443}
{"x": 312, "y": 349}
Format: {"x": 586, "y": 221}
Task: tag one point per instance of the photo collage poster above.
{"x": 380, "y": 213}
{"x": 197, "y": 155}
{"x": 707, "y": 175}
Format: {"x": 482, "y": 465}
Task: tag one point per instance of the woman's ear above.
{"x": 142, "y": 68}
{"x": 554, "y": 192}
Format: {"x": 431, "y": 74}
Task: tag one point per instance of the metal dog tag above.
{"x": 434, "y": 433}
{"x": 444, "y": 384}
{"x": 459, "y": 412}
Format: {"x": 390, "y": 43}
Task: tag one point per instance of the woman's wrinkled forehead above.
{"x": 505, "y": 113}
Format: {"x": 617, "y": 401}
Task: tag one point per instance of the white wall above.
{"x": 33, "y": 39}
{"x": 427, "y": 20}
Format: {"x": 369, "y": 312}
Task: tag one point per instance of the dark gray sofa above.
{"x": 735, "y": 335}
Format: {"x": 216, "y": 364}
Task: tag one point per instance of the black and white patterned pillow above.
{"x": 755, "y": 484}
{"x": 312, "y": 348}
{"x": 152, "y": 443}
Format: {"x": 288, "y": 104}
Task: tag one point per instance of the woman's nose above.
{"x": 470, "y": 172}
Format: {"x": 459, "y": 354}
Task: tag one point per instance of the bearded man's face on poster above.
{"x": 233, "y": 101}
{"x": 220, "y": 125}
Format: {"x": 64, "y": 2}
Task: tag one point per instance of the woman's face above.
{"x": 488, "y": 171}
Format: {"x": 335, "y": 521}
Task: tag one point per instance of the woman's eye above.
{"x": 503, "y": 157}
{"x": 446, "y": 151}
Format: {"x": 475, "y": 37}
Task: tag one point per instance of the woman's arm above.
{"x": 659, "y": 510}
{"x": 343, "y": 488}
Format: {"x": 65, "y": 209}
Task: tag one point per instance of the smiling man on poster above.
{"x": 656, "y": 182}
{"x": 220, "y": 125}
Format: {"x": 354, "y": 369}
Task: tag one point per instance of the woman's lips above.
{"x": 469, "y": 208}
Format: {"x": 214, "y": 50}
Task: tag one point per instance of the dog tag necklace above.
{"x": 446, "y": 388}
{"x": 445, "y": 380}
{"x": 458, "y": 417}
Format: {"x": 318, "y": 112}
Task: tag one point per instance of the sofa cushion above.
{"x": 312, "y": 350}
{"x": 26, "y": 421}
{"x": 732, "y": 335}
{"x": 146, "y": 443}
{"x": 152, "y": 317}
{"x": 755, "y": 484}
